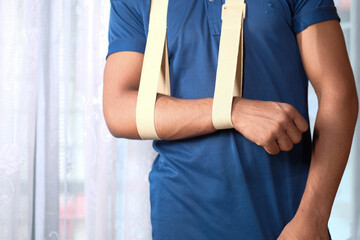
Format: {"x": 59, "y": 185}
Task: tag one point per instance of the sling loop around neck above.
{"x": 229, "y": 75}
{"x": 155, "y": 74}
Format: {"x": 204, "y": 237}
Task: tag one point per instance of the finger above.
{"x": 293, "y": 132}
{"x": 285, "y": 142}
{"x": 272, "y": 148}
{"x": 300, "y": 123}
{"x": 298, "y": 119}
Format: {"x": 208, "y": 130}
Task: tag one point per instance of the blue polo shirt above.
{"x": 222, "y": 186}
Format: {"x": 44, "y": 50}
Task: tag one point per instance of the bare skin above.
{"x": 326, "y": 62}
{"x": 272, "y": 125}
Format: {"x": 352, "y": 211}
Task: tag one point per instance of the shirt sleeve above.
{"x": 126, "y": 28}
{"x": 308, "y": 12}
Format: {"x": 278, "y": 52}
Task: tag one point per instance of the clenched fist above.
{"x": 273, "y": 125}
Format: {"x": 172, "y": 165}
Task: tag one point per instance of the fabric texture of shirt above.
{"x": 222, "y": 186}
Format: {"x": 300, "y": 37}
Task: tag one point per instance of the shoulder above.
{"x": 136, "y": 8}
{"x": 135, "y": 4}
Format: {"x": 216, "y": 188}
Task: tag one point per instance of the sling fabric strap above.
{"x": 155, "y": 75}
{"x": 229, "y": 75}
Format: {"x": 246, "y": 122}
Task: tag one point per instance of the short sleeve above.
{"x": 308, "y": 12}
{"x": 126, "y": 28}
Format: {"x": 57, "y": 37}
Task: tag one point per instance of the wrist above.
{"x": 314, "y": 209}
{"x": 234, "y": 109}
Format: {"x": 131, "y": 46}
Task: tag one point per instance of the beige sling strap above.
{"x": 155, "y": 70}
{"x": 229, "y": 73}
{"x": 155, "y": 75}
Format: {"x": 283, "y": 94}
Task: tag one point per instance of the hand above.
{"x": 273, "y": 125}
{"x": 304, "y": 229}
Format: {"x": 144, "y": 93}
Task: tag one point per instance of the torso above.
{"x": 222, "y": 184}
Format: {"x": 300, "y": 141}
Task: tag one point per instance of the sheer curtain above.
{"x": 62, "y": 174}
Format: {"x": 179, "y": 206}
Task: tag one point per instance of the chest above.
{"x": 191, "y": 18}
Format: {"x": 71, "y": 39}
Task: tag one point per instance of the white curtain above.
{"x": 62, "y": 174}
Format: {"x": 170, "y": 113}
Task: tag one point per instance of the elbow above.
{"x": 111, "y": 123}
{"x": 116, "y": 123}
{"x": 119, "y": 128}
{"x": 114, "y": 131}
{"x": 344, "y": 101}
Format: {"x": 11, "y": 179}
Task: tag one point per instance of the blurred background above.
{"x": 62, "y": 174}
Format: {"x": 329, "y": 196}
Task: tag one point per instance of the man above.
{"x": 265, "y": 178}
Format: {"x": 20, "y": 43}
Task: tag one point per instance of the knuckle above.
{"x": 303, "y": 126}
{"x": 275, "y": 105}
{"x": 277, "y": 129}
{"x": 287, "y": 147}
{"x": 267, "y": 140}
{"x": 297, "y": 139}
{"x": 264, "y": 142}
{"x": 306, "y": 125}
{"x": 274, "y": 151}
{"x": 283, "y": 118}
{"x": 288, "y": 107}
{"x": 258, "y": 142}
{"x": 269, "y": 150}
{"x": 271, "y": 153}
{"x": 291, "y": 146}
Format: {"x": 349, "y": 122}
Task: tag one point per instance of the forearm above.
{"x": 333, "y": 133}
{"x": 175, "y": 118}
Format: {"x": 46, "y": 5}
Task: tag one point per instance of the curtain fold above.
{"x": 18, "y": 75}
{"x": 62, "y": 174}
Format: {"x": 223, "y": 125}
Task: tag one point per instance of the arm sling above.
{"x": 155, "y": 76}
